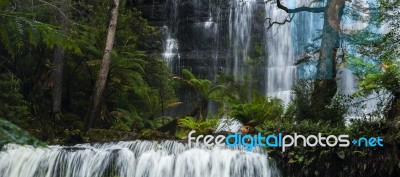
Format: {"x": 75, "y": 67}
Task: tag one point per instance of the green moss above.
{"x": 73, "y": 121}
{"x": 150, "y": 134}
{"x": 102, "y": 135}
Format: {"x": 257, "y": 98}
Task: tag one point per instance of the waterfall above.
{"x": 191, "y": 37}
{"x": 171, "y": 47}
{"x": 132, "y": 159}
{"x": 240, "y": 34}
{"x": 280, "y": 66}
{"x": 235, "y": 38}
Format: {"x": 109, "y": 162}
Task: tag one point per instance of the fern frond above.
{"x": 18, "y": 31}
{"x": 189, "y": 75}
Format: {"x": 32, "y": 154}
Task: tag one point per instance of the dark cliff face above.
{"x": 233, "y": 38}
{"x": 202, "y": 30}
{"x": 212, "y": 37}
{"x": 153, "y": 11}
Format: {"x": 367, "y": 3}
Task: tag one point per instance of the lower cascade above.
{"x": 133, "y": 159}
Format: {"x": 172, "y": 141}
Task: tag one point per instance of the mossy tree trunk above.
{"x": 58, "y": 64}
{"x": 325, "y": 86}
{"x": 99, "y": 89}
{"x": 325, "y": 82}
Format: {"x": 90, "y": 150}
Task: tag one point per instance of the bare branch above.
{"x": 270, "y": 24}
{"x": 300, "y": 9}
{"x": 58, "y": 9}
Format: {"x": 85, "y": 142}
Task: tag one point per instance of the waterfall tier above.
{"x": 132, "y": 159}
{"x": 236, "y": 38}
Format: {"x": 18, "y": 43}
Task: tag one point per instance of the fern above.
{"x": 18, "y": 31}
{"x": 12, "y": 104}
{"x": 10, "y": 133}
{"x": 205, "y": 88}
{"x": 205, "y": 127}
{"x": 257, "y": 111}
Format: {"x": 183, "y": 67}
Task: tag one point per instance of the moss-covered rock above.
{"x": 150, "y": 134}
{"x": 73, "y": 121}
{"x": 102, "y": 135}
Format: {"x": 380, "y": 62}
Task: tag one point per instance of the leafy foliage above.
{"x": 378, "y": 63}
{"x": 125, "y": 121}
{"x": 258, "y": 110}
{"x": 301, "y": 107}
{"x": 12, "y": 104}
{"x": 362, "y": 68}
{"x": 350, "y": 162}
{"x": 10, "y": 133}
{"x": 205, "y": 89}
{"x": 189, "y": 123}
{"x": 18, "y": 31}
{"x": 388, "y": 79}
{"x": 139, "y": 89}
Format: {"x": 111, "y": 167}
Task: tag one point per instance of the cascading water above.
{"x": 240, "y": 34}
{"x": 171, "y": 47}
{"x": 280, "y": 55}
{"x": 132, "y": 159}
{"x": 236, "y": 38}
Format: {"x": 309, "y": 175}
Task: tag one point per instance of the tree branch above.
{"x": 300, "y": 9}
{"x": 289, "y": 19}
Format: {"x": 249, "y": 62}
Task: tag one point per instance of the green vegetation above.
{"x": 10, "y": 133}
{"x": 139, "y": 88}
{"x": 341, "y": 162}
{"x": 141, "y": 92}
{"x": 205, "y": 89}
{"x": 188, "y": 124}
{"x": 257, "y": 111}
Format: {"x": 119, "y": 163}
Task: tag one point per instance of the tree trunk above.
{"x": 325, "y": 85}
{"x": 57, "y": 77}
{"x": 97, "y": 98}
{"x": 58, "y": 62}
{"x": 394, "y": 110}
{"x": 200, "y": 111}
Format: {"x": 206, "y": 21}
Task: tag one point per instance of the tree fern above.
{"x": 258, "y": 110}
{"x": 205, "y": 127}
{"x": 18, "y": 31}
{"x": 205, "y": 88}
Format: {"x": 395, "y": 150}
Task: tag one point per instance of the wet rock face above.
{"x": 208, "y": 40}
{"x": 224, "y": 37}
{"x": 231, "y": 37}
{"x": 153, "y": 11}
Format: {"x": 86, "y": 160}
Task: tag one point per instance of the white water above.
{"x": 228, "y": 124}
{"x": 171, "y": 45}
{"x": 132, "y": 159}
{"x": 225, "y": 42}
{"x": 171, "y": 49}
{"x": 224, "y": 38}
{"x": 240, "y": 34}
{"x": 281, "y": 69}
